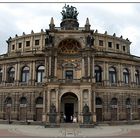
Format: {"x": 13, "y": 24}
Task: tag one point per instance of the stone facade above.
{"x": 47, "y": 75}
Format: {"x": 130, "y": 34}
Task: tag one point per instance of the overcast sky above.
{"x": 120, "y": 18}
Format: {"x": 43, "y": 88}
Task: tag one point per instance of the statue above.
{"x": 90, "y": 40}
{"x": 69, "y": 12}
{"x": 8, "y": 41}
{"x": 49, "y": 38}
{"x": 52, "y": 109}
{"x": 85, "y": 109}
{"x": 52, "y": 116}
{"x": 86, "y": 114}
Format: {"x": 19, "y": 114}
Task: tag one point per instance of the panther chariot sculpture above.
{"x": 69, "y": 12}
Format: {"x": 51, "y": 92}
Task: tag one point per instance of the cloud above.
{"x": 119, "y": 18}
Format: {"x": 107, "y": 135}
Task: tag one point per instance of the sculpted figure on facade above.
{"x": 52, "y": 109}
{"x": 85, "y": 109}
{"x": 90, "y": 41}
{"x": 49, "y": 39}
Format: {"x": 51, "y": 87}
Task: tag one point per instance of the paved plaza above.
{"x": 36, "y": 131}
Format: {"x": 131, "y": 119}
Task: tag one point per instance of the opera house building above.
{"x": 69, "y": 72}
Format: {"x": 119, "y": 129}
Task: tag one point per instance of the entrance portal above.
{"x": 69, "y": 107}
{"x": 69, "y": 111}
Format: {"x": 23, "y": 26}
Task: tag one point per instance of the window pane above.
{"x": 110, "y": 44}
{"x": 36, "y": 42}
{"x": 39, "y": 77}
{"x": 25, "y": 74}
{"x": 27, "y": 43}
{"x": 100, "y": 42}
{"x": 69, "y": 74}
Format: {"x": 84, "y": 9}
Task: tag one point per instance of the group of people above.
{"x": 72, "y": 118}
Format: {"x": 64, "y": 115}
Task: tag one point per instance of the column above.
{"x": 81, "y": 107}
{"x": 55, "y": 69}
{"x": 48, "y": 104}
{"x": 106, "y": 43}
{"x": 119, "y": 75}
{"x": 103, "y": 73}
{"x": 4, "y": 73}
{"x": 46, "y": 67}
{"x": 89, "y": 96}
{"x": 30, "y": 74}
{"x": 41, "y": 42}
{"x": 83, "y": 68}
{"x": 94, "y": 107}
{"x": 93, "y": 67}
{"x": 134, "y": 78}
{"x": 107, "y": 75}
{"x": 16, "y": 70}
{"x": 17, "y": 73}
{"x": 23, "y": 45}
{"x": 16, "y": 45}
{"x": 44, "y": 107}
{"x": 57, "y": 106}
{"x": 32, "y": 42}
{"x": 18, "y": 76}
{"x": 57, "y": 109}
{"x": 49, "y": 65}
{"x": 131, "y": 75}
{"x": 107, "y": 78}
{"x": 88, "y": 66}
{"x": 33, "y": 72}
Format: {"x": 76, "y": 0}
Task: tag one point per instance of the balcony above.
{"x": 73, "y": 81}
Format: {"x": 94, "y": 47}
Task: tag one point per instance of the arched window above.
{"x": 98, "y": 74}
{"x": 8, "y": 101}
{"x": 114, "y": 101}
{"x": 112, "y": 75}
{"x": 126, "y": 76}
{"x": 137, "y": 77}
{"x": 1, "y": 75}
{"x": 11, "y": 75}
{"x": 98, "y": 101}
{"x": 128, "y": 101}
{"x": 23, "y": 100}
{"x": 40, "y": 73}
{"x": 39, "y": 100}
{"x": 69, "y": 46}
{"x": 25, "y": 74}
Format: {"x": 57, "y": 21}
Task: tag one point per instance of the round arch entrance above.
{"x": 69, "y": 106}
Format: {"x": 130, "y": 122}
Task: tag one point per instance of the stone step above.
{"x": 69, "y": 125}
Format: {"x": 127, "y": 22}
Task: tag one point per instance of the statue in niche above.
{"x": 90, "y": 41}
{"x": 48, "y": 39}
{"x": 85, "y": 109}
{"x": 86, "y": 114}
{"x": 52, "y": 116}
{"x": 52, "y": 109}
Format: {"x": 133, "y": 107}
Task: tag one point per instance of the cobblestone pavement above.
{"x": 24, "y": 131}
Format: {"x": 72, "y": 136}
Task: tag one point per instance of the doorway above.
{"x": 69, "y": 111}
{"x": 69, "y": 107}
{"x": 99, "y": 114}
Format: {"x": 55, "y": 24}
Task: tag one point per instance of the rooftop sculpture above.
{"x": 69, "y": 12}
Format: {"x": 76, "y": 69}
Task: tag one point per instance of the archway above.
{"x": 23, "y": 109}
{"x": 39, "y": 109}
{"x": 7, "y": 108}
{"x": 69, "y": 107}
{"x": 99, "y": 104}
